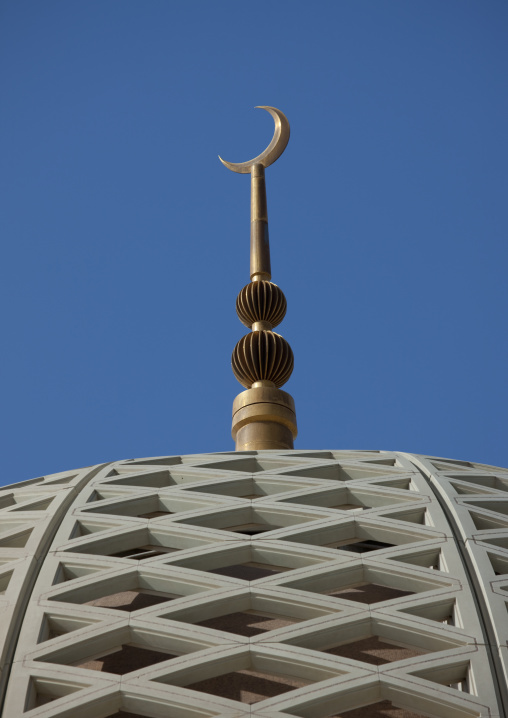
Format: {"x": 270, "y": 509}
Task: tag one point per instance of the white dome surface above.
{"x": 357, "y": 584}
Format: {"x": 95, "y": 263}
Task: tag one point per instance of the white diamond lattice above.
{"x": 301, "y": 583}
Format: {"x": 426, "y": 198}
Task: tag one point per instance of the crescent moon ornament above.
{"x": 273, "y": 151}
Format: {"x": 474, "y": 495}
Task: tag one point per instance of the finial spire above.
{"x": 263, "y": 416}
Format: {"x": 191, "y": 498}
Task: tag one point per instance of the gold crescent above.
{"x": 273, "y": 151}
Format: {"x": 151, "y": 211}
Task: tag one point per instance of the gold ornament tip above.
{"x": 274, "y": 150}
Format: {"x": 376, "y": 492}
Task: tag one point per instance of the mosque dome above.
{"x": 357, "y": 584}
{"x": 267, "y": 582}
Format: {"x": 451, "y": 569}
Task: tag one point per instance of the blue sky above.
{"x": 125, "y": 241}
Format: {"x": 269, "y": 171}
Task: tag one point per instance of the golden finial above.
{"x": 263, "y": 416}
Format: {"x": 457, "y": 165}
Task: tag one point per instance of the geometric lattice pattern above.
{"x": 352, "y": 584}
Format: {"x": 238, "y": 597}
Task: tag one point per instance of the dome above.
{"x": 281, "y": 583}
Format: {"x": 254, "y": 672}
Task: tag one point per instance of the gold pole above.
{"x": 263, "y": 416}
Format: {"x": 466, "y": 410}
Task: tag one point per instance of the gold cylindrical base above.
{"x": 264, "y": 418}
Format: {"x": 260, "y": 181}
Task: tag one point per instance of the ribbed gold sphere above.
{"x": 261, "y": 301}
{"x": 262, "y": 355}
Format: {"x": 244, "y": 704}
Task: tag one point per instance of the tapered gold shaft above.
{"x": 260, "y": 267}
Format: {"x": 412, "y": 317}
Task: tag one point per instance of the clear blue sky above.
{"x": 125, "y": 241}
